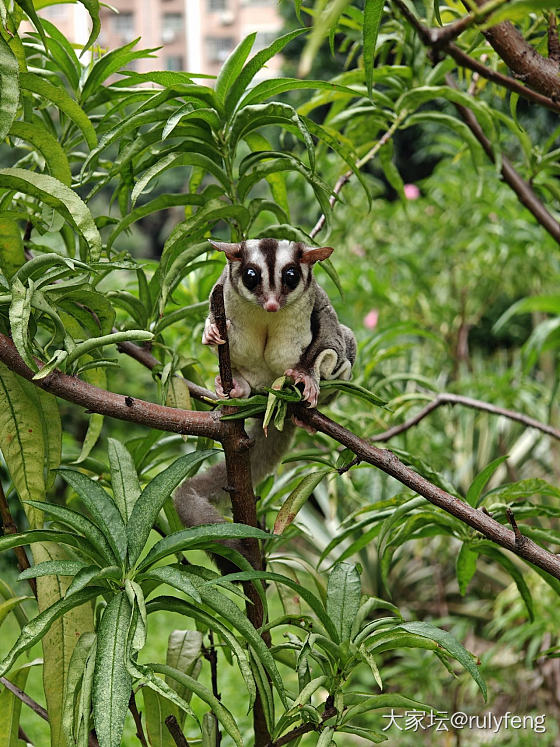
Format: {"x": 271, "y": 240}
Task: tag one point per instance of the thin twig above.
{"x": 445, "y": 398}
{"x": 211, "y": 656}
{"x": 345, "y": 178}
{"x": 522, "y": 188}
{"x": 175, "y": 731}
{"x": 24, "y": 697}
{"x": 137, "y": 720}
{"x": 148, "y": 360}
{"x": 10, "y": 527}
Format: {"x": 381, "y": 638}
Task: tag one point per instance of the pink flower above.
{"x": 370, "y": 319}
{"x": 411, "y": 192}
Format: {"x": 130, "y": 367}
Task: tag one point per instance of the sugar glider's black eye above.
{"x": 290, "y": 277}
{"x": 251, "y": 278}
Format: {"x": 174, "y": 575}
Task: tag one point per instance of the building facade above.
{"x": 192, "y": 35}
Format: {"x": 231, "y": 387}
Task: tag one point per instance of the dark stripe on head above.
{"x": 268, "y": 249}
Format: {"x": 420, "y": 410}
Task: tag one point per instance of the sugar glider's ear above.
{"x": 232, "y": 251}
{"x": 312, "y": 254}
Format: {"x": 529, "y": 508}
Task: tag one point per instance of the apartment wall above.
{"x": 192, "y": 35}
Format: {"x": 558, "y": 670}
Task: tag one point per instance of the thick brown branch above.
{"x": 391, "y": 465}
{"x": 119, "y": 406}
{"x": 441, "y": 40}
{"x": 10, "y": 527}
{"x": 24, "y": 697}
{"x": 465, "y": 60}
{"x": 456, "y": 399}
{"x": 538, "y": 72}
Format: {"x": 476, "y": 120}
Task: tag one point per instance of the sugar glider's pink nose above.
{"x": 271, "y": 304}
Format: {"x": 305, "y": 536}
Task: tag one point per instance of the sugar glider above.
{"x": 280, "y": 321}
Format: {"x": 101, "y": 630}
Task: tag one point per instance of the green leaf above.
{"x": 40, "y": 625}
{"x": 546, "y": 304}
{"x": 240, "y": 84}
{"x": 174, "y": 160}
{"x": 48, "y": 146}
{"x": 20, "y": 314}
{"x": 343, "y": 598}
{"x": 102, "y": 509}
{"x": 110, "y": 63}
{"x": 232, "y": 67}
{"x": 10, "y": 707}
{"x": 466, "y": 566}
{"x": 195, "y": 537}
{"x": 184, "y": 652}
{"x": 477, "y": 485}
{"x": 450, "y": 644}
{"x": 373, "y": 10}
{"x": 20, "y": 539}
{"x": 8, "y": 606}
{"x": 175, "y": 577}
{"x": 388, "y": 700}
{"x": 124, "y": 478}
{"x": 58, "y": 196}
{"x": 353, "y": 390}
{"x": 12, "y": 255}
{"x": 90, "y": 575}
{"x": 152, "y": 498}
{"x": 81, "y": 524}
{"x": 52, "y": 568}
{"x": 156, "y": 710}
{"x": 221, "y": 713}
{"x": 112, "y": 682}
{"x": 58, "y": 96}
{"x": 489, "y": 550}
{"x": 313, "y": 601}
{"x": 297, "y": 499}
{"x": 76, "y": 670}
{"x": 21, "y": 437}
{"x": 9, "y": 87}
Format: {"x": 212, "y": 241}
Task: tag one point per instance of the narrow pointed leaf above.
{"x": 9, "y": 87}
{"x": 112, "y": 682}
{"x": 152, "y": 498}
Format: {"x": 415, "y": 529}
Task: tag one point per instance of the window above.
{"x": 216, "y": 5}
{"x": 174, "y": 62}
{"x": 171, "y": 27}
{"x": 123, "y": 25}
{"x": 218, "y": 47}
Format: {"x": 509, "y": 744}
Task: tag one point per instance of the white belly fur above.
{"x": 264, "y": 344}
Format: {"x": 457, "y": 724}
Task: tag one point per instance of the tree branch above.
{"x": 148, "y": 360}
{"x": 391, "y": 465}
{"x": 175, "y": 731}
{"x": 237, "y": 447}
{"x": 440, "y": 39}
{"x": 522, "y": 188}
{"x": 119, "y": 406}
{"x": 24, "y": 697}
{"x": 445, "y": 398}
{"x": 137, "y": 720}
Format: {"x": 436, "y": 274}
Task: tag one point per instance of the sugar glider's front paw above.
{"x": 310, "y": 385}
{"x": 241, "y": 388}
{"x": 211, "y": 335}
